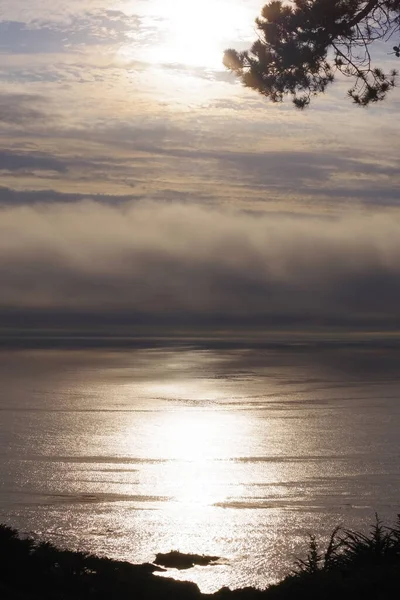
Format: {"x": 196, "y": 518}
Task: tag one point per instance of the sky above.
{"x": 141, "y": 184}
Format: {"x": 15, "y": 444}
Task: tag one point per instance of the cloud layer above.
{"x": 177, "y": 259}
{"x": 171, "y": 126}
{"x": 111, "y": 100}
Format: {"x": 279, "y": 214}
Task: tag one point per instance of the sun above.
{"x": 196, "y": 34}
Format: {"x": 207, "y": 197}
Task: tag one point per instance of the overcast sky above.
{"x": 139, "y": 178}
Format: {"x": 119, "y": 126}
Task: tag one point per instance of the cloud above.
{"x": 102, "y": 27}
{"x": 12, "y": 197}
{"x": 21, "y": 109}
{"x": 188, "y": 261}
{"x": 16, "y": 161}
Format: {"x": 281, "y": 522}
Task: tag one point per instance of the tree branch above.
{"x": 363, "y": 13}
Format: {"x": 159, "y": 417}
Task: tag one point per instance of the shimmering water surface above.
{"x": 232, "y": 452}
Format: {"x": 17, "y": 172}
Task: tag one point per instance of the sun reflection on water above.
{"x": 195, "y": 442}
{"x": 140, "y": 452}
{"x": 194, "y": 436}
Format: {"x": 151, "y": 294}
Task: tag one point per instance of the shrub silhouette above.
{"x": 349, "y": 549}
{"x": 353, "y": 566}
{"x": 30, "y": 569}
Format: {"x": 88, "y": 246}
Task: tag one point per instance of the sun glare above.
{"x": 195, "y": 35}
{"x": 193, "y": 440}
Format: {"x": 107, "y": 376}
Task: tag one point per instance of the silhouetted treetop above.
{"x": 303, "y": 44}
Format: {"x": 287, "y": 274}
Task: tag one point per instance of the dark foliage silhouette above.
{"x": 302, "y": 45}
{"x": 353, "y": 566}
{"x": 30, "y": 570}
{"x": 348, "y": 549}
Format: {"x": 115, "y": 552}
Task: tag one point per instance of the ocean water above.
{"x": 238, "y": 452}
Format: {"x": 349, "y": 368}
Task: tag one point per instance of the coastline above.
{"x": 353, "y": 565}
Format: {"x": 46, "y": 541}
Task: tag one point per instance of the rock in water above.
{"x": 180, "y": 560}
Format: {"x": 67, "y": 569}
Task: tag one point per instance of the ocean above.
{"x": 235, "y": 450}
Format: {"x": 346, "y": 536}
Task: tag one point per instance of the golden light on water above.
{"x": 194, "y": 440}
{"x": 196, "y": 435}
{"x": 234, "y": 454}
{"x": 186, "y": 389}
